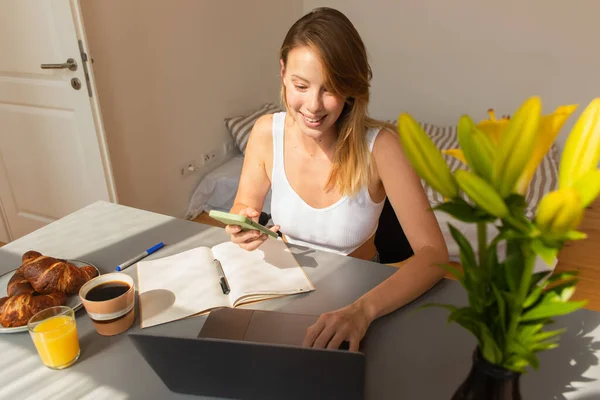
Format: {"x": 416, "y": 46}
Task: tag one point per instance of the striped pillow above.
{"x": 544, "y": 180}
{"x": 240, "y": 127}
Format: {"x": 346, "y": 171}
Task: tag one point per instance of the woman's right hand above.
{"x": 251, "y": 239}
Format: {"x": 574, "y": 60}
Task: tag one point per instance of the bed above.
{"x": 217, "y": 190}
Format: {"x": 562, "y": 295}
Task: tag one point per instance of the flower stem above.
{"x": 529, "y": 262}
{"x": 482, "y": 241}
{"x": 516, "y": 224}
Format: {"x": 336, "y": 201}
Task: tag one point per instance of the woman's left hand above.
{"x": 331, "y": 329}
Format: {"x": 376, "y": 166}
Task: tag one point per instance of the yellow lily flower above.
{"x": 549, "y": 128}
{"x": 494, "y": 127}
{"x": 559, "y": 212}
{"x": 456, "y": 153}
{"x": 582, "y": 149}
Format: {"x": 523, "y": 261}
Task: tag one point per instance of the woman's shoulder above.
{"x": 261, "y": 136}
{"x": 384, "y": 135}
{"x": 263, "y": 125}
{"x": 386, "y": 141}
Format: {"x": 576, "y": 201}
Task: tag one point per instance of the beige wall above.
{"x": 439, "y": 59}
{"x": 4, "y": 237}
{"x": 168, "y": 72}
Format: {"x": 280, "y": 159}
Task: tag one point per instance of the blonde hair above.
{"x": 331, "y": 35}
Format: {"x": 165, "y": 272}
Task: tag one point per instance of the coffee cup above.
{"x": 109, "y": 301}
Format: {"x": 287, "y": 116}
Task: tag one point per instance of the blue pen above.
{"x": 140, "y": 256}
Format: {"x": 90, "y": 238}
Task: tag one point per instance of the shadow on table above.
{"x": 563, "y": 369}
{"x": 438, "y": 354}
{"x": 91, "y": 343}
{"x": 303, "y": 255}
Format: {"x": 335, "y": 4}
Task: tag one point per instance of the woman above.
{"x": 330, "y": 167}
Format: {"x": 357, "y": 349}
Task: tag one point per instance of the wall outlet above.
{"x": 209, "y": 157}
{"x": 189, "y": 168}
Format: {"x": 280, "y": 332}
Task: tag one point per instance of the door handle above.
{"x": 70, "y": 64}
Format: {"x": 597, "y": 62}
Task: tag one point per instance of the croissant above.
{"x": 16, "y": 310}
{"x": 48, "y": 274}
{"x": 18, "y": 284}
{"x": 31, "y": 254}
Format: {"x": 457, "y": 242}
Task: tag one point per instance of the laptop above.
{"x": 242, "y": 369}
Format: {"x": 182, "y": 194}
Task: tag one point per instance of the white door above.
{"x": 53, "y": 154}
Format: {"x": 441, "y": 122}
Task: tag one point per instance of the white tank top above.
{"x": 340, "y": 228}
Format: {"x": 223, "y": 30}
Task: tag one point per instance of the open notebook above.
{"x": 187, "y": 283}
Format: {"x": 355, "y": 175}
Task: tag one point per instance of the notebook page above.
{"x": 269, "y": 270}
{"x": 178, "y": 286}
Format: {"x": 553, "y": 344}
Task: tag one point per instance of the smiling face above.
{"x": 314, "y": 109}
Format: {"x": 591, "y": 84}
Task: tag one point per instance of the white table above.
{"x": 410, "y": 355}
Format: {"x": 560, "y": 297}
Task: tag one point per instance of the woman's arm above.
{"x": 405, "y": 192}
{"x": 254, "y": 184}
{"x": 254, "y": 180}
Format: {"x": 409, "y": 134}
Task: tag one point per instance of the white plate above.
{"x": 73, "y": 300}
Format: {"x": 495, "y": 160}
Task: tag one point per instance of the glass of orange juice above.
{"x": 54, "y": 334}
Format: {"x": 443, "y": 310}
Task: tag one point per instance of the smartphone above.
{"x": 246, "y": 223}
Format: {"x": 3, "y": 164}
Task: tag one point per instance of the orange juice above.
{"x": 56, "y": 341}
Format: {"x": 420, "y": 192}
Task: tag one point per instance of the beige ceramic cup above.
{"x": 114, "y": 315}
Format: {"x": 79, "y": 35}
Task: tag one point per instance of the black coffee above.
{"x": 107, "y": 291}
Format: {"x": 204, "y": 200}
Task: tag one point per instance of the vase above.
{"x": 487, "y": 381}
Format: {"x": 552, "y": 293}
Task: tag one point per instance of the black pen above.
{"x": 222, "y": 279}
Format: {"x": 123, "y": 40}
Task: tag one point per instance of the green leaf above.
{"x": 513, "y": 265}
{"x": 492, "y": 258}
{"x": 501, "y": 307}
{"x": 472, "y": 321}
{"x": 464, "y": 313}
{"x": 533, "y": 297}
{"x": 510, "y": 299}
{"x": 551, "y": 241}
{"x": 564, "y": 290}
{"x": 507, "y": 232}
{"x": 455, "y": 272}
{"x": 461, "y": 211}
{"x": 517, "y": 348}
{"x": 467, "y": 318}
{"x": 547, "y": 309}
{"x": 525, "y": 333}
{"x": 575, "y": 235}
{"x": 467, "y": 256}
{"x": 516, "y": 363}
{"x": 496, "y": 269}
{"x": 538, "y": 337}
{"x": 499, "y": 237}
{"x": 473, "y": 281}
{"x": 491, "y": 351}
{"x": 562, "y": 276}
{"x": 544, "y": 346}
{"x": 538, "y": 277}
{"x": 535, "y": 322}
{"x": 548, "y": 254}
{"x": 516, "y": 204}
